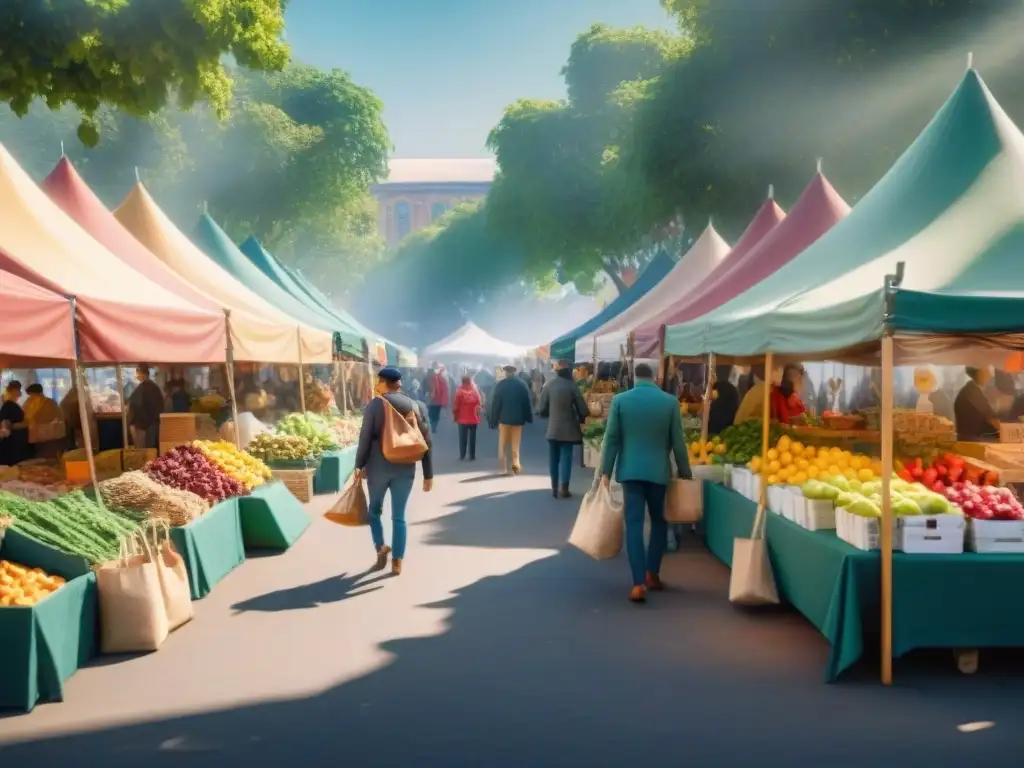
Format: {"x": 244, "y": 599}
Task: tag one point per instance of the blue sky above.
{"x": 446, "y": 69}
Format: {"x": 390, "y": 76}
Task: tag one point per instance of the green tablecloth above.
{"x": 939, "y": 601}
{"x": 44, "y": 645}
{"x": 211, "y": 546}
{"x": 334, "y": 470}
{"x": 272, "y": 518}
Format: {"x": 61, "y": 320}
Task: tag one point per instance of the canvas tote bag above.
{"x": 132, "y": 613}
{"x": 752, "y": 581}
{"x": 684, "y": 499}
{"x": 598, "y": 530}
{"x": 170, "y": 569}
{"x": 402, "y": 440}
{"x": 351, "y": 507}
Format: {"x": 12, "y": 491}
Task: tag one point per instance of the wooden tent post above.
{"x": 302, "y": 378}
{"x": 83, "y": 414}
{"x": 229, "y": 372}
{"x": 706, "y": 409}
{"x": 887, "y": 518}
{"x": 766, "y": 414}
{"x": 124, "y": 407}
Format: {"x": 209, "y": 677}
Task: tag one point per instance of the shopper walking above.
{"x": 644, "y": 426}
{"x": 144, "y": 409}
{"x": 438, "y": 394}
{"x": 565, "y": 409}
{"x": 508, "y": 411}
{"x": 382, "y": 475}
{"x": 466, "y": 413}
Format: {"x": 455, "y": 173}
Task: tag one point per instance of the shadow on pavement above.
{"x": 330, "y": 590}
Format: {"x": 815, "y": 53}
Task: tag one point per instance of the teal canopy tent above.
{"x": 564, "y": 347}
{"x": 218, "y": 246}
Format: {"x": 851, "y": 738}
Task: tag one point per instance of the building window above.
{"x": 437, "y": 210}
{"x": 403, "y": 219}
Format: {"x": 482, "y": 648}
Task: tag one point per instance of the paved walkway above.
{"x": 501, "y": 647}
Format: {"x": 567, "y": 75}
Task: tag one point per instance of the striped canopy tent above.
{"x": 121, "y": 314}
{"x": 697, "y": 263}
{"x": 37, "y": 328}
{"x": 276, "y": 339}
{"x": 815, "y": 212}
{"x": 268, "y": 264}
{"x": 950, "y": 211}
{"x": 564, "y": 347}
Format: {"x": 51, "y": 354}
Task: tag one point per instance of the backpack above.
{"x": 401, "y": 439}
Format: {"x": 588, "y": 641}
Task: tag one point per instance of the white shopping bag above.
{"x": 684, "y": 501}
{"x": 752, "y": 581}
{"x": 600, "y": 523}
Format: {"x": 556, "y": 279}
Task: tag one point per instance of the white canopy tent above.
{"x": 703, "y": 256}
{"x": 471, "y": 342}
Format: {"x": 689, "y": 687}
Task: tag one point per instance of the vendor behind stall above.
{"x": 725, "y": 401}
{"x": 144, "y": 409}
{"x": 975, "y": 418}
{"x": 752, "y": 405}
{"x": 787, "y": 405}
{"x": 14, "y": 445}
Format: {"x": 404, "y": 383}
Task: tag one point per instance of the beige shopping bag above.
{"x": 170, "y": 568}
{"x": 351, "y": 507}
{"x": 598, "y": 530}
{"x": 752, "y": 581}
{"x": 684, "y": 501}
{"x": 132, "y": 613}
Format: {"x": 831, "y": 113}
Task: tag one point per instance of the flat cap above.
{"x": 389, "y": 373}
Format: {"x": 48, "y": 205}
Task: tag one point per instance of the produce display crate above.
{"x": 211, "y": 546}
{"x": 915, "y": 534}
{"x": 995, "y": 536}
{"x": 76, "y": 465}
{"x": 713, "y": 473}
{"x": 298, "y": 481}
{"x": 272, "y": 518}
{"x": 137, "y": 458}
{"x": 334, "y": 470}
{"x": 180, "y": 428}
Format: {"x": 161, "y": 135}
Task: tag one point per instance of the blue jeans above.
{"x": 434, "y": 412}
{"x": 560, "y": 462}
{"x": 638, "y": 496}
{"x": 400, "y": 488}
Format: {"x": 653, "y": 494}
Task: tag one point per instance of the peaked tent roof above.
{"x": 268, "y": 264}
{"x": 471, "y": 341}
{"x": 221, "y": 249}
{"x": 43, "y": 245}
{"x": 815, "y": 212}
{"x": 565, "y": 345}
{"x": 951, "y": 209}
{"x": 37, "y": 324}
{"x": 700, "y": 260}
{"x": 275, "y": 338}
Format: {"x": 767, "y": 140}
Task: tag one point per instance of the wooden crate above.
{"x": 180, "y": 428}
{"x": 76, "y": 465}
{"x": 298, "y": 481}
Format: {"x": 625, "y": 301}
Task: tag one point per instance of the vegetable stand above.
{"x": 45, "y": 644}
{"x": 272, "y": 518}
{"x": 334, "y": 470}
{"x": 211, "y": 546}
{"x": 939, "y": 601}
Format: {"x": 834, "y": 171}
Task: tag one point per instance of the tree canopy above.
{"x": 132, "y": 55}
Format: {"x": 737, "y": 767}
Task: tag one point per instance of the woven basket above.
{"x": 298, "y": 481}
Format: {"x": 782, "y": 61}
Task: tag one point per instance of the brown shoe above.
{"x": 382, "y": 559}
{"x": 516, "y": 469}
{"x": 396, "y": 566}
{"x": 563, "y": 492}
{"x": 638, "y": 595}
{"x": 653, "y": 582}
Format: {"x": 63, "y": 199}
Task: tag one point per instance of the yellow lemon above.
{"x": 755, "y": 463}
{"x": 810, "y": 452}
{"x": 720, "y": 449}
{"x": 786, "y": 458}
{"x": 799, "y": 478}
{"x": 823, "y": 451}
{"x": 834, "y": 470}
{"x": 834, "y": 451}
{"x": 802, "y": 464}
{"x": 876, "y": 468}
{"x": 856, "y": 462}
{"x": 850, "y": 474}
{"x": 772, "y": 480}
{"x": 822, "y": 462}
{"x": 784, "y": 443}
{"x": 796, "y": 447}
{"x": 709, "y": 446}
{"x": 773, "y": 467}
{"x": 812, "y": 470}
{"x": 864, "y": 475}
{"x": 843, "y": 463}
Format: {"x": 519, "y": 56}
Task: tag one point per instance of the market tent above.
{"x": 697, "y": 263}
{"x": 470, "y": 342}
{"x": 564, "y": 347}
{"x": 818, "y": 209}
{"x": 281, "y": 336}
{"x": 268, "y": 264}
{"x": 220, "y": 248}
{"x": 37, "y": 327}
{"x": 951, "y": 210}
{"x": 768, "y": 216}
{"x": 121, "y": 314}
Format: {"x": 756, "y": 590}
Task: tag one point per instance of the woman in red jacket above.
{"x": 786, "y": 404}
{"x": 466, "y": 413}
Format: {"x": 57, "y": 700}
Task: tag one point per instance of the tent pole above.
{"x": 766, "y": 413}
{"x": 124, "y": 406}
{"x": 706, "y": 409}
{"x": 302, "y": 378}
{"x": 887, "y": 519}
{"x": 229, "y": 372}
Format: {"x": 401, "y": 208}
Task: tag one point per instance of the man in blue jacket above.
{"x": 509, "y": 409}
{"x": 644, "y": 425}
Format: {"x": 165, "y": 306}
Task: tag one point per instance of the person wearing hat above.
{"x": 144, "y": 409}
{"x": 382, "y": 475}
{"x": 509, "y": 410}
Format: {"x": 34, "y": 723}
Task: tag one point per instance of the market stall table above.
{"x": 211, "y": 546}
{"x": 272, "y": 518}
{"x": 939, "y": 601}
{"x": 45, "y": 644}
{"x": 334, "y": 470}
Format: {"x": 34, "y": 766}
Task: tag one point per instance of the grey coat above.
{"x": 562, "y": 403}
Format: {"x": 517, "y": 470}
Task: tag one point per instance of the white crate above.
{"x": 995, "y": 536}
{"x": 777, "y": 499}
{"x": 740, "y": 480}
{"x": 1011, "y": 432}
{"x": 818, "y": 515}
{"x": 755, "y": 488}
{"x": 913, "y": 534}
{"x": 714, "y": 473}
{"x": 591, "y": 455}
{"x": 794, "y": 503}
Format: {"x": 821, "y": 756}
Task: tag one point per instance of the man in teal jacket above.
{"x": 643, "y": 427}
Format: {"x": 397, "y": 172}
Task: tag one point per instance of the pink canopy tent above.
{"x": 37, "y": 328}
{"x": 816, "y": 212}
